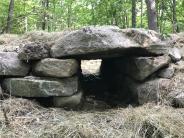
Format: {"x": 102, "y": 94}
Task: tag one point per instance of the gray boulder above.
{"x": 56, "y": 67}
{"x": 143, "y": 67}
{"x": 167, "y": 72}
{"x": 10, "y": 65}
{"x": 34, "y": 51}
{"x": 178, "y": 100}
{"x": 69, "y": 102}
{"x": 159, "y": 90}
{"x": 40, "y": 87}
{"x": 100, "y": 42}
{"x": 175, "y": 55}
{"x": 137, "y": 68}
{"x": 151, "y": 91}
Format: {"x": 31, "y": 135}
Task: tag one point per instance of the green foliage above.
{"x": 71, "y": 14}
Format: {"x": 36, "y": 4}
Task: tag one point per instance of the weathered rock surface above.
{"x": 178, "y": 100}
{"x": 56, "y": 68}
{"x": 159, "y": 90}
{"x": 137, "y": 68}
{"x": 41, "y": 87}
{"x": 69, "y": 102}
{"x": 142, "y": 36}
{"x": 34, "y": 51}
{"x": 151, "y": 91}
{"x": 143, "y": 67}
{"x": 167, "y": 72}
{"x": 105, "y": 41}
{"x": 179, "y": 67}
{"x": 10, "y": 65}
{"x": 175, "y": 55}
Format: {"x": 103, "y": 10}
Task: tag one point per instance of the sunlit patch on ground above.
{"x": 91, "y": 66}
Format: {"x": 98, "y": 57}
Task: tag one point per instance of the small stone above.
{"x": 69, "y": 102}
{"x": 166, "y": 72}
{"x": 56, "y": 67}
{"x": 175, "y": 54}
{"x": 33, "y": 51}
{"x": 10, "y": 65}
{"x": 40, "y": 87}
{"x": 179, "y": 100}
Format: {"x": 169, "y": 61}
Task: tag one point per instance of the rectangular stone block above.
{"x": 59, "y": 68}
{"x": 40, "y": 87}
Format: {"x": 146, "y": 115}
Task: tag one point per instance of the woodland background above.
{"x": 20, "y": 16}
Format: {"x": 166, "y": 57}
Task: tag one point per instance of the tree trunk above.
{"x": 45, "y": 5}
{"x": 175, "y": 26}
{"x": 93, "y": 13}
{"x": 47, "y": 21}
{"x": 44, "y": 16}
{"x": 25, "y": 19}
{"x": 69, "y": 12}
{"x": 152, "y": 15}
{"x": 133, "y": 13}
{"x": 10, "y": 16}
{"x": 141, "y": 13}
{"x": 162, "y": 9}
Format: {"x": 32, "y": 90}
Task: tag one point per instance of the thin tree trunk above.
{"x": 10, "y": 16}
{"x": 134, "y": 13}
{"x": 69, "y": 15}
{"x": 175, "y": 26}
{"x": 152, "y": 15}
{"x": 25, "y": 19}
{"x": 45, "y": 5}
{"x": 141, "y": 13}
{"x": 157, "y": 12}
{"x": 44, "y": 16}
{"x": 127, "y": 20}
{"x": 93, "y": 13}
{"x": 162, "y": 16}
{"x": 54, "y": 16}
{"x": 47, "y": 19}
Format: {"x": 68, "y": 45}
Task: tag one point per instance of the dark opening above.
{"x": 104, "y": 81}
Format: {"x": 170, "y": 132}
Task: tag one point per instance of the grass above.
{"x": 28, "y": 119}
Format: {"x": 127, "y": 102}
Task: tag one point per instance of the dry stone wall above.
{"x": 134, "y": 61}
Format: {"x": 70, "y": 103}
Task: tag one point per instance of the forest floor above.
{"x": 22, "y": 118}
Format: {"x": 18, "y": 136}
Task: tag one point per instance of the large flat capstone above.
{"x": 59, "y": 68}
{"x": 41, "y": 87}
{"x": 10, "y": 65}
{"x": 106, "y": 41}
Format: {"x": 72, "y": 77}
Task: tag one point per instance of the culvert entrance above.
{"x": 102, "y": 80}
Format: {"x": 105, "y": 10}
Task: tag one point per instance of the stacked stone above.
{"x": 134, "y": 61}
{"x": 32, "y": 73}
